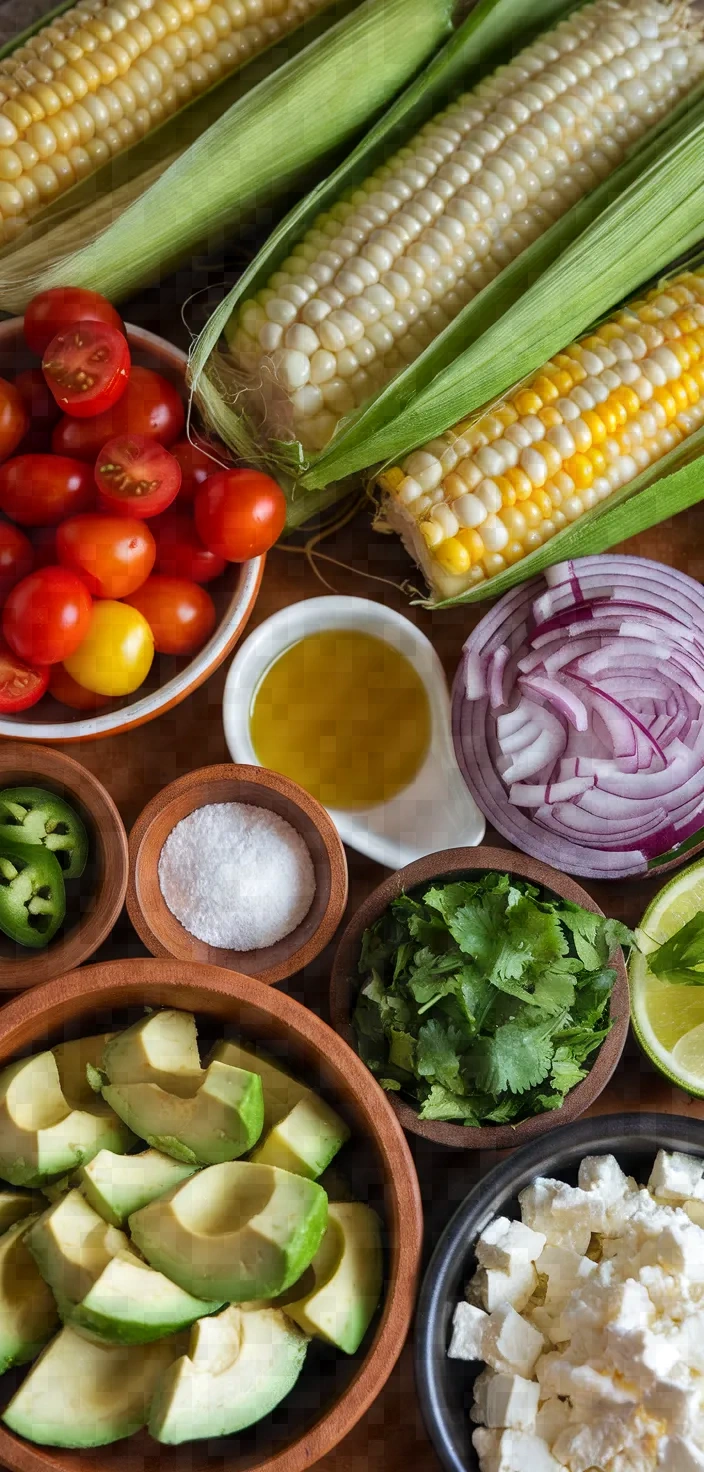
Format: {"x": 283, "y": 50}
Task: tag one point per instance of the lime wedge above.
{"x": 668, "y": 1020}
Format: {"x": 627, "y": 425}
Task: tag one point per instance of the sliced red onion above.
{"x": 560, "y": 697}
{"x": 495, "y": 676}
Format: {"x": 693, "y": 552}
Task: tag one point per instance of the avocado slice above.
{"x": 14, "y": 1205}
{"x": 117, "y": 1185}
{"x": 238, "y": 1367}
{"x": 28, "y": 1313}
{"x": 236, "y": 1231}
{"x": 131, "y": 1303}
{"x": 81, "y": 1393}
{"x": 305, "y": 1140}
{"x": 221, "y": 1120}
{"x": 347, "y": 1272}
{"x": 73, "y": 1061}
{"x": 41, "y": 1136}
{"x": 71, "y": 1246}
{"x": 160, "y": 1049}
{"x": 281, "y": 1093}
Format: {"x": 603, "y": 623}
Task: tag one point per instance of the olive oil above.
{"x": 345, "y": 715}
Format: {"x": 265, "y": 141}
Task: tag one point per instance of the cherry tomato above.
{"x": 44, "y": 546}
{"x": 150, "y": 405}
{"x": 64, "y": 688}
{"x": 136, "y": 476}
{"x": 40, "y": 490}
{"x": 14, "y": 419}
{"x": 117, "y": 652}
{"x": 58, "y": 308}
{"x": 240, "y": 513}
{"x": 113, "y": 555}
{"x": 181, "y": 615}
{"x": 21, "y": 685}
{"x": 47, "y": 615}
{"x": 179, "y": 550}
{"x": 196, "y": 466}
{"x": 16, "y": 557}
{"x": 42, "y": 408}
{"x": 87, "y": 368}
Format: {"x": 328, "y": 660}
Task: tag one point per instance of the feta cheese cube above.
{"x": 494, "y": 1287}
{"x": 564, "y": 1270}
{"x": 695, "y": 1210}
{"x": 641, "y": 1356}
{"x": 680, "y": 1247}
{"x": 550, "y": 1327}
{"x": 692, "y": 1341}
{"x": 631, "y": 1306}
{"x": 505, "y": 1244}
{"x": 603, "y": 1174}
{"x": 514, "y": 1451}
{"x": 468, "y": 1325}
{"x": 675, "y": 1401}
{"x": 666, "y": 1291}
{"x": 566, "y": 1215}
{"x": 582, "y": 1447}
{"x": 592, "y": 1390}
{"x": 510, "y": 1400}
{"x": 486, "y": 1445}
{"x": 677, "y": 1454}
{"x": 675, "y": 1176}
{"x": 510, "y": 1342}
{"x": 553, "y": 1415}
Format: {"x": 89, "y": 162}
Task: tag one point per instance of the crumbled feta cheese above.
{"x": 505, "y": 1244}
{"x": 493, "y": 1287}
{"x": 506, "y": 1400}
{"x": 593, "y": 1445}
{"x": 566, "y": 1215}
{"x": 486, "y": 1445}
{"x": 603, "y": 1174}
{"x": 514, "y": 1451}
{"x": 553, "y": 1415}
{"x": 675, "y": 1177}
{"x": 564, "y": 1270}
{"x": 642, "y": 1356}
{"x": 510, "y": 1342}
{"x": 631, "y": 1307}
{"x": 680, "y": 1246}
{"x": 468, "y": 1325}
{"x": 675, "y": 1401}
{"x": 679, "y": 1455}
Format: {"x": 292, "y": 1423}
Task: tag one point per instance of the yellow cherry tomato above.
{"x": 117, "y": 652}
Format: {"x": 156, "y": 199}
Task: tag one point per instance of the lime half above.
{"x": 668, "y": 1020}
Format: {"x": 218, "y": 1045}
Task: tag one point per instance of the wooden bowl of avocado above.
{"x": 210, "y": 1225}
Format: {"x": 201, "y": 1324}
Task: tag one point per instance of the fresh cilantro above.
{"x": 680, "y": 959}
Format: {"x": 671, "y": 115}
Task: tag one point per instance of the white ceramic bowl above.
{"x": 435, "y": 811}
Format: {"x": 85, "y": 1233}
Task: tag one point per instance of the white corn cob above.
{"x": 382, "y": 273}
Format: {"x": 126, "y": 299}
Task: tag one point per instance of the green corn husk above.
{"x": 150, "y": 208}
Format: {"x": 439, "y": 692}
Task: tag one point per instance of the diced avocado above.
{"x": 238, "y": 1367}
{"x": 117, "y": 1185}
{"x": 281, "y": 1093}
{"x": 131, "y": 1303}
{"x": 221, "y": 1121}
{"x": 28, "y": 1312}
{"x": 160, "y": 1049}
{"x": 304, "y": 1141}
{"x": 81, "y": 1393}
{"x": 41, "y": 1137}
{"x": 73, "y": 1060}
{"x": 54, "y": 1190}
{"x": 347, "y": 1271}
{"x": 14, "y": 1205}
{"x": 71, "y": 1246}
{"x": 236, "y": 1231}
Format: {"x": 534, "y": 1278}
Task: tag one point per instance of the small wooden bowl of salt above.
{"x": 239, "y": 867}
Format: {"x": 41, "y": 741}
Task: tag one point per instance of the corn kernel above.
{"x": 679, "y": 394}
{"x": 508, "y": 491}
{"x": 562, "y": 380}
{"x": 542, "y": 500}
{"x": 507, "y": 415}
{"x": 392, "y": 478}
{"x": 431, "y": 533}
{"x": 472, "y": 543}
{"x": 545, "y": 387}
{"x": 679, "y": 348}
{"x": 598, "y": 460}
{"x": 453, "y": 556}
{"x": 576, "y": 371}
{"x": 667, "y": 401}
{"x": 691, "y": 387}
{"x": 550, "y": 417}
{"x": 515, "y": 552}
{"x": 532, "y": 513}
{"x": 581, "y": 470}
{"x": 596, "y": 426}
{"x": 690, "y": 343}
{"x": 521, "y": 483}
{"x": 628, "y": 398}
{"x": 685, "y": 320}
{"x": 514, "y": 520}
{"x": 528, "y": 402}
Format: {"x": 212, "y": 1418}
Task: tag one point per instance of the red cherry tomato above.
{"x": 150, "y": 405}
{"x": 136, "y": 476}
{"x": 16, "y": 557}
{"x": 40, "y": 490}
{"x": 42, "y": 408}
{"x": 58, "y": 308}
{"x": 240, "y": 513}
{"x": 21, "y": 684}
{"x": 87, "y": 368}
{"x": 47, "y": 615}
{"x": 196, "y": 466}
{"x": 180, "y": 614}
{"x": 179, "y": 550}
{"x": 64, "y": 688}
{"x": 113, "y": 555}
{"x": 14, "y": 419}
{"x": 44, "y": 547}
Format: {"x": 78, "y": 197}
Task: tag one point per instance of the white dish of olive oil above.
{"x": 349, "y": 699}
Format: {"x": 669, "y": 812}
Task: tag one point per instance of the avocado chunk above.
{"x": 305, "y": 1140}
{"x": 131, "y": 1303}
{"x": 81, "y": 1393}
{"x": 28, "y": 1313}
{"x": 73, "y": 1061}
{"x": 237, "y": 1231}
{"x": 14, "y": 1205}
{"x": 160, "y": 1049}
{"x": 117, "y": 1185}
{"x": 41, "y": 1136}
{"x": 281, "y": 1093}
{"x": 347, "y": 1278}
{"x": 221, "y": 1120}
{"x": 238, "y": 1367}
{"x": 71, "y": 1246}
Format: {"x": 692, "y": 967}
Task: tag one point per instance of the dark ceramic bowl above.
{"x": 445, "y": 1386}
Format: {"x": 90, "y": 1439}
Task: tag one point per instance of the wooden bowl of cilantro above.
{"x": 487, "y": 994}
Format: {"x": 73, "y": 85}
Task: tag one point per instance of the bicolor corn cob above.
{"x": 484, "y": 494}
{"x": 106, "y": 72}
{"x": 389, "y": 267}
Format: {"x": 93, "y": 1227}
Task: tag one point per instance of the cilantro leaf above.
{"x": 442, "y": 1104}
{"x": 516, "y": 1058}
{"x": 436, "y": 1054}
{"x": 680, "y": 959}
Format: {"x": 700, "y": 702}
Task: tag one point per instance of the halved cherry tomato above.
{"x": 87, "y": 368}
{"x": 47, "y": 615}
{"x": 40, "y": 490}
{"x": 44, "y": 546}
{"x": 196, "y": 466}
{"x": 21, "y": 684}
{"x": 116, "y": 654}
{"x": 64, "y": 688}
{"x": 16, "y": 557}
{"x": 181, "y": 615}
{"x": 179, "y": 550}
{"x": 150, "y": 405}
{"x": 113, "y": 555}
{"x": 14, "y": 419}
{"x": 136, "y": 476}
{"x": 58, "y": 308}
{"x": 240, "y": 513}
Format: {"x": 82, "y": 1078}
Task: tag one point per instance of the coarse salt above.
{"x": 236, "y": 876}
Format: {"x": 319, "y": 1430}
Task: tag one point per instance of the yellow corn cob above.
{"x": 486, "y": 493}
{"x": 386, "y": 270}
{"x": 104, "y": 73}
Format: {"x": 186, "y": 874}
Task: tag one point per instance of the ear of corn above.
{"x": 316, "y": 101}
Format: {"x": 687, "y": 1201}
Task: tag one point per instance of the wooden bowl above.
{"x": 451, "y": 864}
{"x": 334, "y": 1390}
{"x": 170, "y": 679}
{"x": 164, "y": 935}
{"x": 94, "y": 901}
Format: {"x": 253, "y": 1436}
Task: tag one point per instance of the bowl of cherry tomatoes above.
{"x": 130, "y": 553}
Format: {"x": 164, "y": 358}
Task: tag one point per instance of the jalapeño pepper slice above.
{"x": 32, "y": 895}
{"x": 30, "y": 815}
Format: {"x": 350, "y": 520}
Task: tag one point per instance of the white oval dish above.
{"x": 436, "y": 810}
